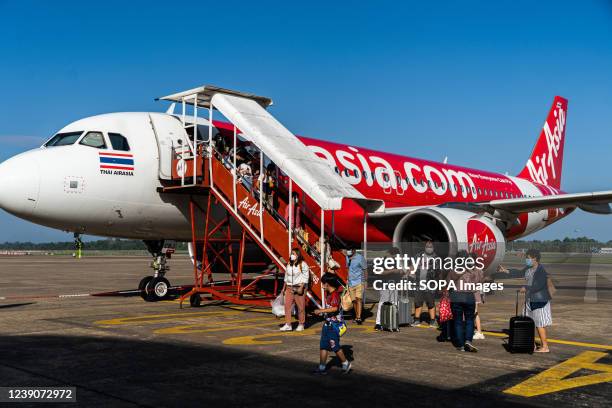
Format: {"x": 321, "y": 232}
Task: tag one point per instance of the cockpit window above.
{"x": 94, "y": 139}
{"x": 64, "y": 139}
{"x": 119, "y": 142}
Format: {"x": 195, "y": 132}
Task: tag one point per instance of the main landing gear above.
{"x": 156, "y": 287}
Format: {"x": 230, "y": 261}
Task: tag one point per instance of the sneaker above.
{"x": 433, "y": 324}
{"x": 478, "y": 336}
{"x": 358, "y": 321}
{"x": 286, "y": 327}
{"x": 347, "y": 369}
{"x": 416, "y": 323}
{"x": 300, "y": 327}
{"x": 460, "y": 349}
{"x": 378, "y": 327}
{"x": 318, "y": 371}
{"x": 469, "y": 347}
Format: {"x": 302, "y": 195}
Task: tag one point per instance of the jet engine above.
{"x": 452, "y": 230}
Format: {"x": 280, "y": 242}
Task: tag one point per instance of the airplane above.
{"x": 104, "y": 175}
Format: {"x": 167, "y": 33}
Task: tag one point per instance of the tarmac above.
{"x": 122, "y": 351}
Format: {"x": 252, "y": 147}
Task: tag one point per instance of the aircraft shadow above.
{"x": 124, "y": 372}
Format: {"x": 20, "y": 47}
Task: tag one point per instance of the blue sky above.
{"x": 469, "y": 80}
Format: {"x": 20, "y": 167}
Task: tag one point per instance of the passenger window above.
{"x": 94, "y": 139}
{"x": 120, "y": 142}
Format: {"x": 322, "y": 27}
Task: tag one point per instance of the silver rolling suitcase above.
{"x": 404, "y": 306}
{"x": 389, "y": 319}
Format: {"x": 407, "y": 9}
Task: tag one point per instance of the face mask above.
{"x": 528, "y": 262}
{"x": 293, "y": 257}
{"x": 350, "y": 252}
{"x": 429, "y": 250}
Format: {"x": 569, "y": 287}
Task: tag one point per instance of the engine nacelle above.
{"x": 453, "y": 230}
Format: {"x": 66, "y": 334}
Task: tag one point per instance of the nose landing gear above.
{"x": 156, "y": 287}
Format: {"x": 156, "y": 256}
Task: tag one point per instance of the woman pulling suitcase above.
{"x": 538, "y": 296}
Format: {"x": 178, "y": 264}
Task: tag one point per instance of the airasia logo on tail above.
{"x": 544, "y": 166}
{"x": 481, "y": 241}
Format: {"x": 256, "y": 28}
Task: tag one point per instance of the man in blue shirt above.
{"x": 356, "y": 266}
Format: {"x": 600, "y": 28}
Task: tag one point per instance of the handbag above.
{"x": 445, "y": 309}
{"x": 340, "y": 327}
{"x": 332, "y": 263}
{"x": 278, "y": 306}
{"x": 346, "y": 300}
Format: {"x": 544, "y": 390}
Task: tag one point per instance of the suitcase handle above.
{"x": 517, "y": 301}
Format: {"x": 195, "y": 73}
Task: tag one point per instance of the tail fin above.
{"x": 546, "y": 161}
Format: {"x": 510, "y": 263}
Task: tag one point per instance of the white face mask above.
{"x": 350, "y": 252}
{"x": 429, "y": 250}
{"x": 293, "y": 257}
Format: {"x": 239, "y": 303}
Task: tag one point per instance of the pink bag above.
{"x": 445, "y": 309}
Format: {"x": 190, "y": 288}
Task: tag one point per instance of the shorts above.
{"x": 330, "y": 340}
{"x": 355, "y": 292}
{"x": 424, "y": 296}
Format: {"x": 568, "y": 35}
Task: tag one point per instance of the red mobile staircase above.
{"x": 230, "y": 221}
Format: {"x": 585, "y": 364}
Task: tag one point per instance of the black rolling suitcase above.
{"x": 522, "y": 330}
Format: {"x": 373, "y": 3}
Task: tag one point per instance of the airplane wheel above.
{"x": 142, "y": 286}
{"x": 157, "y": 289}
{"x": 195, "y": 300}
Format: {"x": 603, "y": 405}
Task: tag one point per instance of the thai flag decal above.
{"x": 116, "y": 161}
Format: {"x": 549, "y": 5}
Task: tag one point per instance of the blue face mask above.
{"x": 528, "y": 262}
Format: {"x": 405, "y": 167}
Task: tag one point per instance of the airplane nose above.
{"x": 19, "y": 185}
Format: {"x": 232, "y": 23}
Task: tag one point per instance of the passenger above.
{"x": 356, "y": 264}
{"x": 220, "y": 145}
{"x": 269, "y": 186}
{"x": 296, "y": 219}
{"x": 225, "y": 158}
{"x": 480, "y": 299}
{"x": 296, "y": 284}
{"x": 463, "y": 305}
{"x": 426, "y": 273}
{"x": 326, "y": 253}
{"x": 272, "y": 182}
{"x": 245, "y": 176}
{"x": 330, "y": 336}
{"x": 241, "y": 155}
{"x": 446, "y": 327}
{"x": 538, "y": 298}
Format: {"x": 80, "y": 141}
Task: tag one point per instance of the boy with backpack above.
{"x": 334, "y": 326}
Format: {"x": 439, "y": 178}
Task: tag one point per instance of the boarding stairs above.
{"x": 203, "y": 171}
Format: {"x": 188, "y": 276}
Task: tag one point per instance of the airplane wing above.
{"x": 598, "y": 202}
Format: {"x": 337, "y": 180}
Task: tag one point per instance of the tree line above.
{"x": 97, "y": 245}
{"x": 580, "y": 244}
